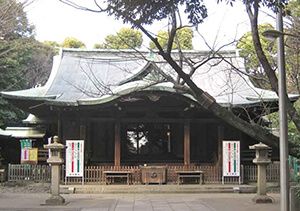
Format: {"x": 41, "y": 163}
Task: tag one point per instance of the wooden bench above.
{"x": 189, "y": 174}
{"x": 111, "y": 175}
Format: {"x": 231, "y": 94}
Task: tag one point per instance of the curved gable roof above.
{"x": 83, "y": 77}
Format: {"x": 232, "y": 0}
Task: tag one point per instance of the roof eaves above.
{"x": 130, "y": 90}
{"x": 61, "y": 103}
{"x": 23, "y": 132}
{"x": 8, "y": 95}
{"x": 196, "y": 52}
{"x": 292, "y": 97}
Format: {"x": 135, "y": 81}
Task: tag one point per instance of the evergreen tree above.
{"x": 24, "y": 62}
{"x": 126, "y": 38}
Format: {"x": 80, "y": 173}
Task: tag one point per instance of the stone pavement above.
{"x": 136, "y": 202}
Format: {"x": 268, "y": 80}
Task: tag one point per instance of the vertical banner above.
{"x": 26, "y": 145}
{"x": 231, "y": 158}
{"x": 33, "y": 155}
{"x": 74, "y": 158}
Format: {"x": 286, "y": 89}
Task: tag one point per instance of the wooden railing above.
{"x": 273, "y": 172}
{"x": 94, "y": 174}
{"x": 27, "y": 172}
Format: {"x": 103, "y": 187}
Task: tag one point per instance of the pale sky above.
{"x": 55, "y": 21}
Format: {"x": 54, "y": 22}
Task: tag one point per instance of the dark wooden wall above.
{"x": 205, "y": 141}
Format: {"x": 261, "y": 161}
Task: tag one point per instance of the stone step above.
{"x": 94, "y": 189}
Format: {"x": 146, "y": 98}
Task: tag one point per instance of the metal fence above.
{"x": 94, "y": 174}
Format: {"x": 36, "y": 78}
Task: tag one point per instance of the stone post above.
{"x": 55, "y": 160}
{"x": 261, "y": 160}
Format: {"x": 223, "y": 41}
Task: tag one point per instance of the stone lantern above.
{"x": 261, "y": 160}
{"x": 55, "y": 160}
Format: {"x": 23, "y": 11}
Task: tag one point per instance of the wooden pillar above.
{"x": 82, "y": 131}
{"x": 82, "y": 136}
{"x": 220, "y": 144}
{"x": 89, "y": 139}
{"x": 137, "y": 142}
{"x": 186, "y": 144}
{"x": 59, "y": 126}
{"x": 117, "y": 143}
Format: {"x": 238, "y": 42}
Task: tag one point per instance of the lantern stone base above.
{"x": 262, "y": 199}
{"x": 55, "y": 200}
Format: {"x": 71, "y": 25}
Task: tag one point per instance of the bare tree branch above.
{"x": 253, "y": 16}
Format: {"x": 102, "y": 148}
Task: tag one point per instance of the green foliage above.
{"x": 13, "y": 21}
{"x": 9, "y": 114}
{"x": 12, "y": 57}
{"x": 24, "y": 62}
{"x": 14, "y": 28}
{"x": 293, "y": 133}
{"x": 72, "y": 42}
{"x": 183, "y": 39}
{"x": 98, "y": 46}
{"x": 293, "y": 47}
{"x": 293, "y": 8}
{"x": 147, "y": 11}
{"x": 11, "y": 62}
{"x": 273, "y": 4}
{"x": 247, "y": 50}
{"x": 126, "y": 38}
{"x": 162, "y": 38}
{"x": 38, "y": 64}
{"x": 292, "y": 51}
{"x": 50, "y": 43}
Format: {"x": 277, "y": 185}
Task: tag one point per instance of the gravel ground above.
{"x": 24, "y": 187}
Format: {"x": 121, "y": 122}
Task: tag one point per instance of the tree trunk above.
{"x": 293, "y": 114}
{"x": 204, "y": 99}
